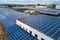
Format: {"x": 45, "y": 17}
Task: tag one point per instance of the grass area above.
{"x": 21, "y": 10}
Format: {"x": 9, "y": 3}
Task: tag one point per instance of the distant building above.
{"x": 57, "y": 6}
{"x": 40, "y": 7}
{"x": 51, "y": 6}
{"x": 46, "y": 6}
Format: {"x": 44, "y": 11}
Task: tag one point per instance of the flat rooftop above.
{"x": 46, "y": 24}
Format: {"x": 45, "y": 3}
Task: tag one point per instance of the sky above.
{"x": 29, "y": 1}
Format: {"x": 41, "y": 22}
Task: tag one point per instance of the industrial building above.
{"x": 42, "y": 27}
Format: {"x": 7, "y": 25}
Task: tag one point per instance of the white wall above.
{"x": 40, "y": 7}
{"x": 57, "y": 6}
{"x": 34, "y": 31}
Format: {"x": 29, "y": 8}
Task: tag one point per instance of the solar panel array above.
{"x": 48, "y": 11}
{"x": 12, "y": 14}
{"x": 46, "y": 24}
{"x": 14, "y": 31}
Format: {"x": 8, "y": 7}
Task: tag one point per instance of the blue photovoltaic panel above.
{"x": 14, "y": 31}
{"x": 48, "y": 11}
{"x": 13, "y": 15}
{"x": 46, "y": 24}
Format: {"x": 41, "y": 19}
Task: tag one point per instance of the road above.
{"x": 8, "y": 18}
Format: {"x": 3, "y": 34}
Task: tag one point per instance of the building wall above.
{"x": 51, "y": 6}
{"x": 57, "y": 6}
{"x": 40, "y": 6}
{"x": 34, "y": 31}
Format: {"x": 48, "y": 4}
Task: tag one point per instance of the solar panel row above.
{"x": 48, "y": 11}
{"x": 12, "y": 14}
